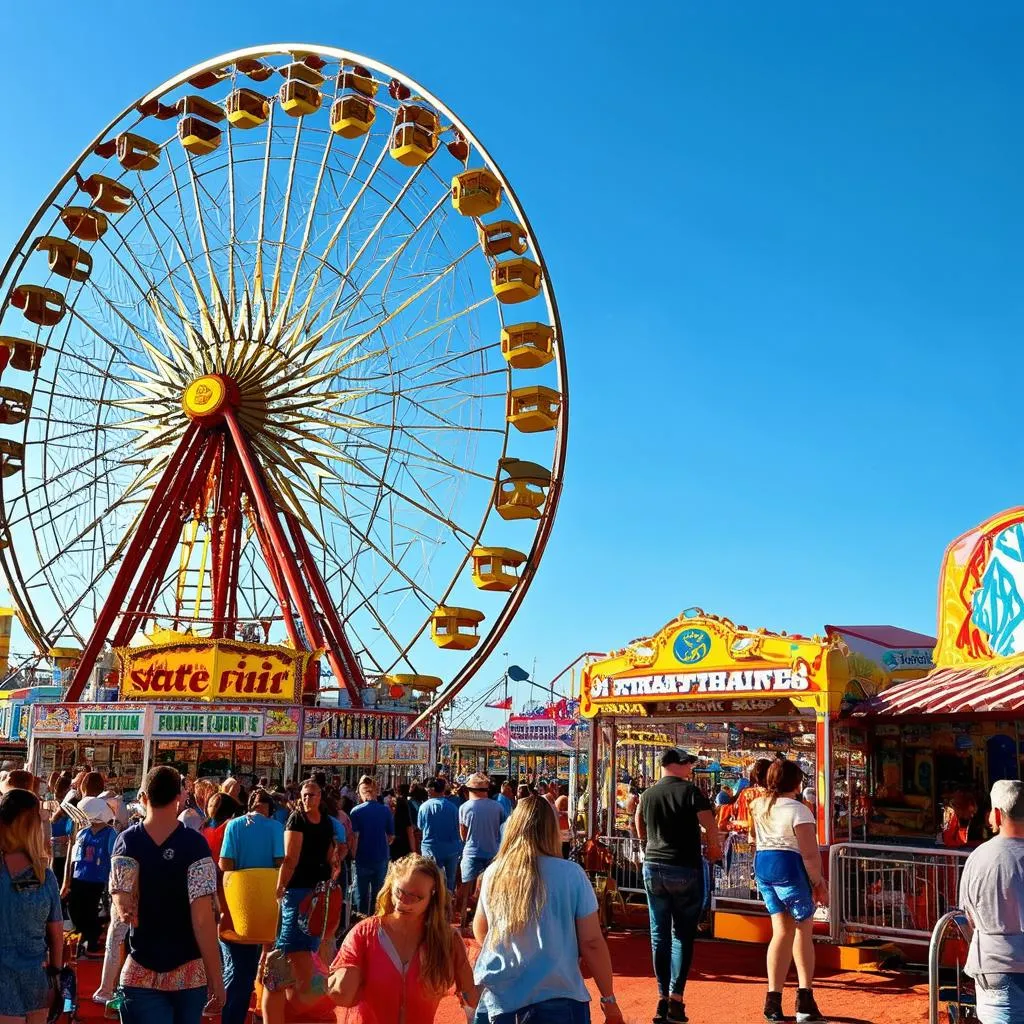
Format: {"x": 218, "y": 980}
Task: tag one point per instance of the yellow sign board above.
{"x": 196, "y": 668}
{"x": 703, "y": 656}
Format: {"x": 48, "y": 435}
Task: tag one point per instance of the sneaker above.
{"x": 773, "y": 1007}
{"x": 807, "y": 1011}
{"x": 661, "y": 1014}
{"x": 676, "y": 1012}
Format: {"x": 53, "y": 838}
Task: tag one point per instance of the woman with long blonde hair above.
{"x": 536, "y": 917}
{"x": 31, "y": 919}
{"x": 395, "y": 967}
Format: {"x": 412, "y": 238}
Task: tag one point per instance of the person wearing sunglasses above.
{"x": 397, "y": 965}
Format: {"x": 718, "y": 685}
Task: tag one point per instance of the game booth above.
{"x": 208, "y": 707}
{"x": 731, "y": 694}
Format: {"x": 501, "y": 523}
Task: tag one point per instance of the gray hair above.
{"x": 1008, "y": 797}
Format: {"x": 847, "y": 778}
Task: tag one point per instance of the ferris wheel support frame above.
{"x": 294, "y": 572}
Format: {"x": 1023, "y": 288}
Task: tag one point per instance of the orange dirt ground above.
{"x": 726, "y": 986}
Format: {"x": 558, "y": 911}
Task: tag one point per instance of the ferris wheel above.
{"x": 280, "y": 359}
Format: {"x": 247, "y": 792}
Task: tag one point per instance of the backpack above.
{"x": 92, "y": 855}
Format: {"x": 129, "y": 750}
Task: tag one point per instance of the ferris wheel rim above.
{"x": 33, "y": 623}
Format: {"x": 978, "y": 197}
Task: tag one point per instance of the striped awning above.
{"x": 949, "y": 691}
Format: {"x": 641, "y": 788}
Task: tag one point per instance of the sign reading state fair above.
{"x": 700, "y": 656}
{"x": 211, "y": 670}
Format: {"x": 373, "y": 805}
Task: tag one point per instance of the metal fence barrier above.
{"x": 894, "y": 892}
{"x": 627, "y": 862}
{"x": 956, "y": 919}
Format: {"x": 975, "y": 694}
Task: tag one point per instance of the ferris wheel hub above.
{"x": 206, "y": 398}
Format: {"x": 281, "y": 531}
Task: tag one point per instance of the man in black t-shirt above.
{"x": 669, "y": 818}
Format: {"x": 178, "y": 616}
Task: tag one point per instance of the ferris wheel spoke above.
{"x": 275, "y": 288}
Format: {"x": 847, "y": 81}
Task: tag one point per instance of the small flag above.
{"x": 502, "y": 705}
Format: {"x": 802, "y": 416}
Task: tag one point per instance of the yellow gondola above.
{"x": 65, "y": 258}
{"x": 135, "y": 153}
{"x": 108, "y": 195}
{"x": 12, "y": 457}
{"x": 528, "y": 346}
{"x": 455, "y": 628}
{"x": 495, "y": 568}
{"x": 14, "y": 406}
{"x": 247, "y": 108}
{"x": 476, "y": 192}
{"x": 198, "y": 137}
{"x": 352, "y": 116}
{"x": 523, "y": 490}
{"x": 20, "y": 354}
{"x": 414, "y": 140}
{"x": 39, "y": 305}
{"x": 534, "y": 408}
{"x": 88, "y": 225}
{"x": 516, "y": 280}
{"x": 503, "y": 236}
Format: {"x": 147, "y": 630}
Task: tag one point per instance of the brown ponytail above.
{"x": 783, "y": 777}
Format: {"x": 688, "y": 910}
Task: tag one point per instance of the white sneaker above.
{"x": 101, "y": 997}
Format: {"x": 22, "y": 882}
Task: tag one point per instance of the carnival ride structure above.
{"x": 280, "y": 358}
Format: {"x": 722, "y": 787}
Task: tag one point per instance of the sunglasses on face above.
{"x": 404, "y": 896}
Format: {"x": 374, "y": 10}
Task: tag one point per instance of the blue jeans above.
{"x": 241, "y": 961}
{"x": 551, "y": 1011}
{"x": 148, "y": 1006}
{"x": 449, "y": 865}
{"x": 369, "y": 882}
{"x": 675, "y": 896}
{"x": 1000, "y": 998}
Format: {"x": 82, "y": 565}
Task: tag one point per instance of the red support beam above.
{"x": 227, "y": 535}
{"x": 280, "y": 588}
{"x": 171, "y": 483}
{"x": 283, "y": 553}
{"x": 148, "y": 587}
{"x": 354, "y": 680}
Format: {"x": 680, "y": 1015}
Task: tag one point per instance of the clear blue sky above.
{"x": 786, "y": 242}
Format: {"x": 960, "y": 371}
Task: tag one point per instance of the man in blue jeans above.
{"x": 373, "y": 827}
{"x": 669, "y": 818}
{"x": 992, "y": 895}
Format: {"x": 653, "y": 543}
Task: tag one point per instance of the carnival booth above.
{"x": 465, "y": 751}
{"x": 945, "y": 738}
{"x": 730, "y": 694}
{"x": 351, "y": 742}
{"x": 208, "y": 707}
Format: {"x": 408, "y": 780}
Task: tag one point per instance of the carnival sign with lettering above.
{"x": 208, "y": 724}
{"x": 212, "y": 670}
{"x": 702, "y": 657}
{"x": 544, "y": 735}
{"x": 104, "y": 720}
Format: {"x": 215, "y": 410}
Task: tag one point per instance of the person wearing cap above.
{"x": 88, "y": 870}
{"x": 992, "y": 895}
{"x": 669, "y": 820}
{"x": 480, "y": 821}
{"x": 373, "y": 832}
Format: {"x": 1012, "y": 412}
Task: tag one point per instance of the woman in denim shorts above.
{"x": 31, "y": 919}
{"x": 789, "y": 875}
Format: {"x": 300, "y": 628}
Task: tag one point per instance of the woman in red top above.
{"x": 221, "y": 808}
{"x": 395, "y": 967}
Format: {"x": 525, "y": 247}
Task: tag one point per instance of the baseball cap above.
{"x": 96, "y": 809}
{"x": 674, "y": 756}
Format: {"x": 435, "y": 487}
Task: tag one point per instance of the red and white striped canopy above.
{"x": 949, "y": 691}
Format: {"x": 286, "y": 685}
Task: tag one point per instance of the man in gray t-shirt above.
{"x": 992, "y": 894}
{"x": 480, "y": 820}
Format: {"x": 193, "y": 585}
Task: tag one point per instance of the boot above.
{"x": 773, "y": 1006}
{"x": 676, "y": 1012}
{"x": 806, "y": 1008}
{"x": 661, "y": 1014}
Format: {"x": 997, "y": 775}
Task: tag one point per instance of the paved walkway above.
{"x": 726, "y": 987}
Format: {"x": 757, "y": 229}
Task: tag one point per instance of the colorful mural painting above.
{"x": 981, "y": 593}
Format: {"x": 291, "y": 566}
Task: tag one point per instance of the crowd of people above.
{"x": 184, "y": 874}
{"x": 163, "y": 889}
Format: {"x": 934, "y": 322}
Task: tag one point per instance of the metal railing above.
{"x": 951, "y": 917}
{"x": 627, "y": 862}
{"x": 734, "y": 879}
{"x": 894, "y": 892}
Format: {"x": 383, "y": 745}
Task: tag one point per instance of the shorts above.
{"x": 291, "y": 936}
{"x": 474, "y": 867}
{"x": 24, "y": 991}
{"x": 783, "y": 883}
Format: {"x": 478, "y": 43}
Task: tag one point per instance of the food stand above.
{"x": 729, "y": 694}
{"x": 15, "y": 716}
{"x": 208, "y": 707}
{"x": 465, "y": 751}
{"x": 350, "y": 742}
